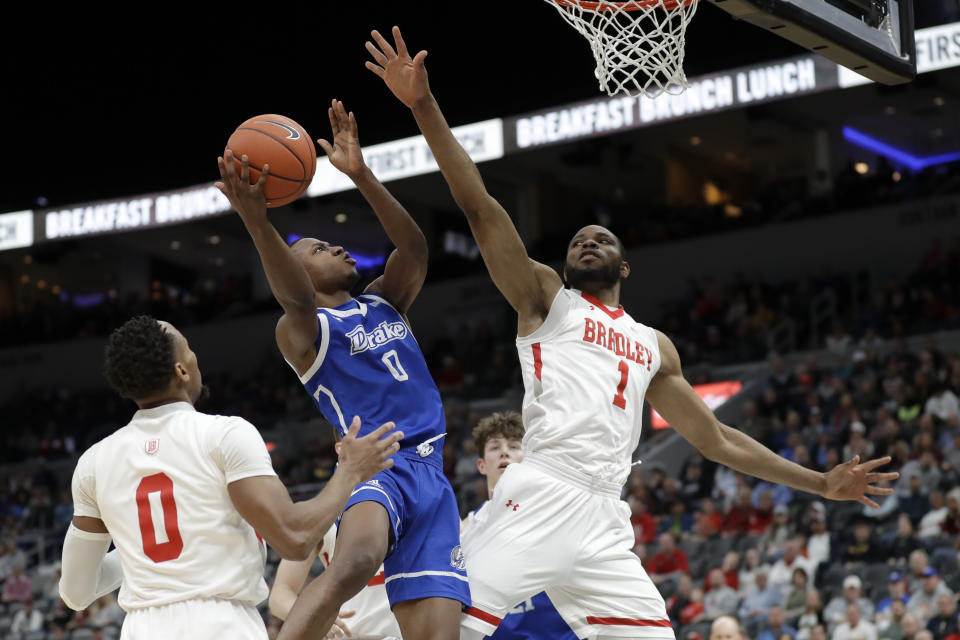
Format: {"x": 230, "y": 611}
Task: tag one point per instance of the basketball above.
{"x": 284, "y": 145}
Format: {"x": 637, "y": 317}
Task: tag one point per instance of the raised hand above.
{"x": 367, "y": 456}
{"x": 854, "y": 481}
{"x": 247, "y": 199}
{"x": 405, "y": 77}
{"x": 344, "y": 153}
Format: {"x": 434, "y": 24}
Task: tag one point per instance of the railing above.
{"x": 823, "y": 309}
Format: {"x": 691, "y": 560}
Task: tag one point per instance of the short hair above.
{"x": 502, "y": 424}
{"x": 139, "y": 358}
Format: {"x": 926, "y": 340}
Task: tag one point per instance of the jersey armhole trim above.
{"x": 656, "y": 347}
{"x": 551, "y": 324}
{"x": 379, "y": 298}
{"x": 97, "y": 536}
{"x": 321, "y": 350}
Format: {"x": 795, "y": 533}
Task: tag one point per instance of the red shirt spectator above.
{"x": 708, "y": 520}
{"x": 644, "y": 528}
{"x": 737, "y": 519}
{"x": 668, "y": 560}
{"x": 762, "y": 515}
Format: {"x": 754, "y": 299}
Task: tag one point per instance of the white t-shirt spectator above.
{"x": 22, "y": 622}
{"x": 929, "y": 526}
{"x": 863, "y": 631}
{"x": 943, "y": 404}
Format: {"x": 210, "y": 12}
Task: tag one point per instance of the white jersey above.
{"x": 160, "y": 486}
{"x": 372, "y": 614}
{"x": 585, "y": 372}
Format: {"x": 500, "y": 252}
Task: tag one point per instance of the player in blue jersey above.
{"x": 357, "y": 357}
{"x": 499, "y": 441}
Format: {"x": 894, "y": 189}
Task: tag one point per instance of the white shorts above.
{"x": 372, "y": 615}
{"x": 199, "y": 619}
{"x": 547, "y": 532}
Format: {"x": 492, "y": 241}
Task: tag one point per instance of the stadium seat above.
{"x": 874, "y": 578}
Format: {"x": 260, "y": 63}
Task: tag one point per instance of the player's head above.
{"x": 329, "y": 266}
{"x": 148, "y": 360}
{"x": 595, "y": 259}
{"x": 725, "y": 628}
{"x": 499, "y": 439}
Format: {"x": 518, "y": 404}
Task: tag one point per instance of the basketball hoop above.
{"x": 638, "y": 45}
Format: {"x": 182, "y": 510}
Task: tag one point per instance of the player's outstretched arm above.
{"x": 290, "y": 578}
{"x": 673, "y": 397}
{"x": 407, "y": 266}
{"x": 289, "y": 282}
{"x": 528, "y": 286}
{"x": 294, "y": 529}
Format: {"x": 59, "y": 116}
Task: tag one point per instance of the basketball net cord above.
{"x": 638, "y": 45}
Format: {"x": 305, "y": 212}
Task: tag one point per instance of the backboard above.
{"x": 872, "y": 37}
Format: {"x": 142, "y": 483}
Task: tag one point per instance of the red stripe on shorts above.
{"x": 537, "y": 362}
{"x": 376, "y": 580}
{"x": 483, "y": 615}
{"x": 628, "y": 622}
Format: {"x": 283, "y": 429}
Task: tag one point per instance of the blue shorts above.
{"x": 424, "y": 559}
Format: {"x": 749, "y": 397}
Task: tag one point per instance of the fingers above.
{"x": 384, "y": 45}
{"x": 870, "y": 465}
{"x": 229, "y": 165}
{"x": 245, "y": 169}
{"x": 878, "y": 477}
{"x": 354, "y": 428}
{"x": 262, "y": 182}
{"x": 401, "y": 45}
{"x": 867, "y": 501}
{"x": 878, "y": 491}
{"x": 334, "y": 125}
{"x": 352, "y": 124}
{"x": 346, "y": 614}
{"x": 376, "y": 53}
{"x": 327, "y": 148}
{"x": 221, "y": 167}
{"x": 419, "y": 58}
{"x": 854, "y": 462}
{"x": 377, "y": 70}
{"x": 391, "y": 444}
{"x": 382, "y": 430}
{"x": 341, "y": 114}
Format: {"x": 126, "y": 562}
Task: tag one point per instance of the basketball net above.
{"x": 638, "y": 45}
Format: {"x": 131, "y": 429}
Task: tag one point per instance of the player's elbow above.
{"x": 714, "y": 443}
{"x": 292, "y": 545}
{"x": 73, "y": 598}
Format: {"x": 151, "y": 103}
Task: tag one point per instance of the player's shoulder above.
{"x": 219, "y": 425}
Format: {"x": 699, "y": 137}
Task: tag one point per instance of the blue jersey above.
{"x": 370, "y": 365}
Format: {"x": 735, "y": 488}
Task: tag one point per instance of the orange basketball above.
{"x": 285, "y": 146}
